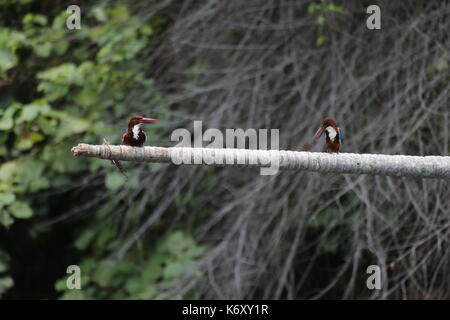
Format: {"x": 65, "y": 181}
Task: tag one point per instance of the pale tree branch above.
{"x": 374, "y": 164}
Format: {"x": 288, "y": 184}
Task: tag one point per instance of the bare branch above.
{"x": 374, "y": 164}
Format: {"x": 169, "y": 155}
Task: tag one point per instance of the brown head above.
{"x": 139, "y": 120}
{"x": 327, "y": 122}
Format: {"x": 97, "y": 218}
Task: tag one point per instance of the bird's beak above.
{"x": 148, "y": 120}
{"x": 319, "y": 132}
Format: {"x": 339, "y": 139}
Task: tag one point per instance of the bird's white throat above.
{"x": 136, "y": 129}
{"x": 331, "y": 133}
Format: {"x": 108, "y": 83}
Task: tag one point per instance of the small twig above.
{"x": 113, "y": 161}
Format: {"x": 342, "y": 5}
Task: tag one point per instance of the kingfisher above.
{"x": 135, "y": 135}
{"x": 333, "y": 134}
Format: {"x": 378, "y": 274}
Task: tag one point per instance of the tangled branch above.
{"x": 257, "y": 64}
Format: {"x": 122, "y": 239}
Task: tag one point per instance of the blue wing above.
{"x": 340, "y": 135}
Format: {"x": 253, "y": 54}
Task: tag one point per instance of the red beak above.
{"x": 319, "y": 132}
{"x": 148, "y": 120}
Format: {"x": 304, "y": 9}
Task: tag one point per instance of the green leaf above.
{"x": 87, "y": 266}
{"x": 195, "y": 251}
{"x": 5, "y": 219}
{"x": 120, "y": 13}
{"x": 154, "y": 269}
{"x": 34, "y": 18}
{"x": 441, "y": 64}
{"x": 104, "y": 237}
{"x": 146, "y": 30}
{"x": 331, "y": 243}
{"x": 320, "y": 41}
{"x": 53, "y": 91}
{"x": 85, "y": 239}
{"x": 69, "y": 125}
{"x": 20, "y": 210}
{"x": 3, "y": 267}
{"x": 320, "y": 20}
{"x": 88, "y": 96}
{"x": 173, "y": 270}
{"x": 29, "y": 112}
{"x": 26, "y": 142}
{"x": 76, "y": 125}
{"x": 334, "y": 8}
{"x": 147, "y": 292}
{"x": 59, "y": 22}
{"x": 178, "y": 243}
{"x": 104, "y": 273}
{"x": 133, "y": 286}
{"x": 74, "y": 295}
{"x": 22, "y": 143}
{"x": 11, "y": 39}
{"x": 5, "y": 283}
{"x": 30, "y": 173}
{"x": 66, "y": 73}
{"x": 42, "y": 49}
{"x": 66, "y": 162}
{"x": 35, "y": 137}
{"x": 100, "y": 14}
{"x": 40, "y": 19}
{"x": 61, "y": 285}
{"x": 48, "y": 126}
{"x": 114, "y": 180}
{"x": 6, "y": 122}
{"x": 7, "y": 170}
{"x": 7, "y": 59}
{"x": 61, "y": 47}
{"x": 6, "y": 198}
{"x": 312, "y": 7}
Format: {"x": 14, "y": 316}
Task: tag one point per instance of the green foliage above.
{"x": 37, "y": 131}
{"x": 114, "y": 180}
{"x": 6, "y": 281}
{"x": 172, "y": 258}
{"x": 321, "y": 11}
{"x": 323, "y": 7}
{"x": 6, "y": 3}
{"x": 339, "y": 227}
{"x": 10, "y": 41}
{"x": 60, "y": 87}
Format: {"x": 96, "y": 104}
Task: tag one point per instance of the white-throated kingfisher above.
{"x": 332, "y": 132}
{"x": 135, "y": 135}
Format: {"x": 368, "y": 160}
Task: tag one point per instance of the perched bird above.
{"x": 333, "y": 134}
{"x": 135, "y": 135}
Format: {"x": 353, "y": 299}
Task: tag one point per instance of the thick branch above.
{"x": 375, "y": 164}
